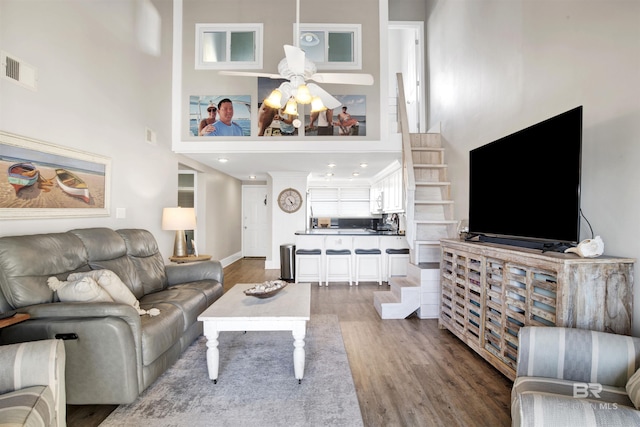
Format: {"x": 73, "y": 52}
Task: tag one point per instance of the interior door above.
{"x": 406, "y": 56}
{"x": 254, "y": 221}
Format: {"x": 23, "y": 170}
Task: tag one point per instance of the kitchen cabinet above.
{"x": 393, "y": 187}
{"x": 336, "y": 202}
{"x": 387, "y": 193}
{"x": 375, "y": 198}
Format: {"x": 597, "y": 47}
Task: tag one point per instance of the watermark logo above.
{"x": 586, "y": 390}
{"x": 590, "y": 391}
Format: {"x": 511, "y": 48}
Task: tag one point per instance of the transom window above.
{"x": 228, "y": 46}
{"x": 332, "y": 46}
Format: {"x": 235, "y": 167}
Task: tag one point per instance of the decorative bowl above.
{"x": 266, "y": 289}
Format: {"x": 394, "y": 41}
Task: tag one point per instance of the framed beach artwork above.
{"x": 203, "y": 113}
{"x": 47, "y": 180}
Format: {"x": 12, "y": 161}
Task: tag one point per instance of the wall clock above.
{"x": 290, "y": 200}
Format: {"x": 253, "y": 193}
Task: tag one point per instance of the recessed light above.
{"x": 332, "y": 165}
{"x": 355, "y": 173}
{"x": 363, "y": 165}
{"x": 329, "y": 174}
{"x": 223, "y": 160}
{"x": 252, "y": 177}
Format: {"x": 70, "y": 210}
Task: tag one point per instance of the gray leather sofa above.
{"x": 112, "y": 352}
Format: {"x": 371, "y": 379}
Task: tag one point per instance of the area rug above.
{"x": 256, "y": 384}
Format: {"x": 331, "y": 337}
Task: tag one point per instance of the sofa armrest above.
{"x": 111, "y": 332}
{"x": 577, "y": 355}
{"x": 38, "y": 363}
{"x": 194, "y": 271}
{"x": 75, "y": 310}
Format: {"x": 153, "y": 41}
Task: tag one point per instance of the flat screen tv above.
{"x": 524, "y": 188}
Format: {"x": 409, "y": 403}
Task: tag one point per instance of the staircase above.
{"x": 429, "y": 214}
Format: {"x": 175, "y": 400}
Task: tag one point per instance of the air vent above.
{"x": 18, "y": 71}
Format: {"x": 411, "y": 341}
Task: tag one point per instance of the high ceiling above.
{"x": 244, "y": 165}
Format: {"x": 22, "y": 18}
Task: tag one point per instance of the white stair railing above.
{"x": 409, "y": 181}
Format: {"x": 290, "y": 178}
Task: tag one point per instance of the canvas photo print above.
{"x": 221, "y": 115}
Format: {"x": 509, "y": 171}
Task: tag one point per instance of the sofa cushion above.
{"x": 83, "y": 289}
{"x": 617, "y": 395}
{"x": 190, "y": 302}
{"x": 111, "y": 283}
{"x": 160, "y": 332}
{"x": 107, "y": 251}
{"x": 633, "y": 389}
{"x": 24, "y": 270}
{"x": 31, "y": 406}
{"x": 142, "y": 250}
{"x": 542, "y": 409}
{"x": 211, "y": 289}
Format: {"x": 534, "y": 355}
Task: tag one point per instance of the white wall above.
{"x": 498, "y": 66}
{"x": 283, "y": 224}
{"x": 98, "y": 89}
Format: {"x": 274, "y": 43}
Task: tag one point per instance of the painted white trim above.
{"x": 231, "y": 259}
{"x": 256, "y": 64}
{"x": 354, "y": 29}
{"x": 418, "y": 28}
{"x": 383, "y": 8}
{"x": 176, "y": 80}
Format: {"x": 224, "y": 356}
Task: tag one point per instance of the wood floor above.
{"x": 406, "y": 372}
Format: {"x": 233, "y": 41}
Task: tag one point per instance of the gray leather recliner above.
{"x": 112, "y": 353}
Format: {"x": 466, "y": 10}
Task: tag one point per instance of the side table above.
{"x": 190, "y": 258}
{"x": 17, "y": 318}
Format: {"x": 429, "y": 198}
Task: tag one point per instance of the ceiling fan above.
{"x": 297, "y": 69}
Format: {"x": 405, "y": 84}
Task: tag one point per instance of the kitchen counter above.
{"x": 310, "y": 268}
{"x": 346, "y": 232}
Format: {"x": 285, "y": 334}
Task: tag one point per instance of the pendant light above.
{"x": 274, "y": 99}
{"x": 317, "y": 105}
{"x": 291, "y": 107}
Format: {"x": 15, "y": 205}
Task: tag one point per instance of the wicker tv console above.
{"x": 489, "y": 291}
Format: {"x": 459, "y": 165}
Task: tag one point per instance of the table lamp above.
{"x": 179, "y": 219}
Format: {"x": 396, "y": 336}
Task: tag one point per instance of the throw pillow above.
{"x": 633, "y": 389}
{"x": 112, "y": 284}
{"x": 83, "y": 290}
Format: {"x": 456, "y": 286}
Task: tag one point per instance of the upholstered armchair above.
{"x": 576, "y": 377}
{"x": 32, "y": 384}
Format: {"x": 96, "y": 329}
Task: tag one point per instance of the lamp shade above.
{"x": 274, "y": 99}
{"x": 303, "y": 96}
{"x": 291, "y": 108}
{"x": 317, "y": 105}
{"x": 178, "y": 219}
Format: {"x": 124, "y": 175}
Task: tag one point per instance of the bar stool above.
{"x": 309, "y": 254}
{"x": 369, "y": 253}
{"x": 402, "y": 253}
{"x": 367, "y": 247}
{"x": 337, "y": 248}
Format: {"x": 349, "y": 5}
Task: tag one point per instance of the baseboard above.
{"x": 231, "y": 259}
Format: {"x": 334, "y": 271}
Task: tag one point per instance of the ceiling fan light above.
{"x": 309, "y": 39}
{"x": 317, "y": 105}
{"x": 291, "y": 108}
{"x": 303, "y": 96}
{"x": 274, "y": 99}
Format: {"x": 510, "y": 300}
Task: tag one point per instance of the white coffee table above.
{"x": 288, "y": 310}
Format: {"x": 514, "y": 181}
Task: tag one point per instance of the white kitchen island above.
{"x": 321, "y": 238}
